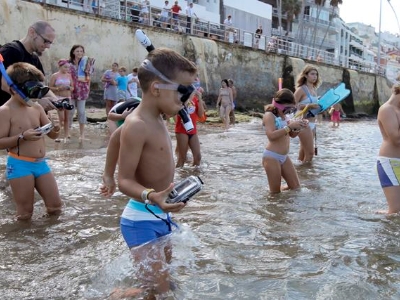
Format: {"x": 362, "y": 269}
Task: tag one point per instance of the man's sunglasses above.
{"x": 34, "y": 89}
{"x": 46, "y": 41}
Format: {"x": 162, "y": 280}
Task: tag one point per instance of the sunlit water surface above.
{"x": 325, "y": 241}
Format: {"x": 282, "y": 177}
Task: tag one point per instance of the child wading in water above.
{"x": 278, "y": 129}
{"x": 146, "y": 166}
{"x": 62, "y": 86}
{"x": 335, "y": 112}
{"x": 27, "y": 168}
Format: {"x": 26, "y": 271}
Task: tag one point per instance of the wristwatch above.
{"x": 145, "y": 195}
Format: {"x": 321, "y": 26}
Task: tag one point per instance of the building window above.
{"x": 307, "y": 10}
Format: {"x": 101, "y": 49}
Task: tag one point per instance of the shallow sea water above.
{"x": 325, "y": 241}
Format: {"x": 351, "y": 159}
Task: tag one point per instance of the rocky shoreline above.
{"x": 98, "y": 115}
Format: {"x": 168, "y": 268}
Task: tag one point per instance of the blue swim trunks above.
{"x": 21, "y": 166}
{"x": 139, "y": 226}
{"x": 388, "y": 171}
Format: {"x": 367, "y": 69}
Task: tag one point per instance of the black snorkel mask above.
{"x": 34, "y": 89}
{"x": 183, "y": 91}
{"x": 28, "y": 90}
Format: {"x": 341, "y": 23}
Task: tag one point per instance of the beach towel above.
{"x": 85, "y": 68}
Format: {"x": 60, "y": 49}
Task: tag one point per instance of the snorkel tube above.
{"x": 183, "y": 113}
{"x": 11, "y": 84}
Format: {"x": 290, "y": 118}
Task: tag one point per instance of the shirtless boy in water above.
{"x": 27, "y": 168}
{"x": 146, "y": 163}
{"x": 388, "y": 163}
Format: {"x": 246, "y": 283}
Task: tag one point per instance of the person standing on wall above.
{"x": 189, "y": 14}
{"x": 228, "y": 27}
{"x": 258, "y": 34}
{"x": 175, "y": 15}
{"x": 40, "y": 36}
{"x": 165, "y": 15}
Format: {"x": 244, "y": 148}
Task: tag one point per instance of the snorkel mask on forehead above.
{"x": 28, "y": 90}
{"x": 184, "y": 90}
{"x": 287, "y": 110}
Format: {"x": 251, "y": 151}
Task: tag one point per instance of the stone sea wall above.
{"x": 254, "y": 72}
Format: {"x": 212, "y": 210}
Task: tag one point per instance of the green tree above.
{"x": 291, "y": 8}
{"x": 320, "y": 4}
{"x": 299, "y": 36}
{"x": 334, "y": 5}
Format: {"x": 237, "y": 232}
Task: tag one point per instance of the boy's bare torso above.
{"x": 388, "y": 148}
{"x": 155, "y": 167}
{"x": 19, "y": 119}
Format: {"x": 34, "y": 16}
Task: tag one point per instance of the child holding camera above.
{"x": 27, "y": 168}
{"x": 62, "y": 86}
{"x": 279, "y": 130}
{"x": 146, "y": 164}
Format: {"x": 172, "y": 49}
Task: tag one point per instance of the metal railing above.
{"x": 133, "y": 11}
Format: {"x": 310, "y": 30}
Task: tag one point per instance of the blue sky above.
{"x": 367, "y": 12}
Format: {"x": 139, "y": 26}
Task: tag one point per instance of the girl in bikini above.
{"x": 305, "y": 94}
{"x": 62, "y": 86}
{"x": 279, "y": 130}
{"x": 225, "y": 98}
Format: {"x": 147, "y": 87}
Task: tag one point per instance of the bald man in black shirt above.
{"x": 40, "y": 36}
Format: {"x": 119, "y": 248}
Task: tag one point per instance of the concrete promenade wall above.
{"x": 255, "y": 72}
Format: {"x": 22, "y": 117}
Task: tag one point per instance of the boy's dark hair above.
{"x": 168, "y": 62}
{"x": 21, "y": 72}
{"x": 135, "y": 70}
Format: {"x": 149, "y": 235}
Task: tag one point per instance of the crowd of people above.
{"x": 141, "y": 140}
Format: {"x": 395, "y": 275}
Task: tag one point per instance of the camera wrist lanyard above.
{"x": 167, "y": 221}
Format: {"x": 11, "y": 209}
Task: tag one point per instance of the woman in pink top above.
{"x": 62, "y": 86}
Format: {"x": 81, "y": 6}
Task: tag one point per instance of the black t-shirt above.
{"x": 15, "y": 52}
